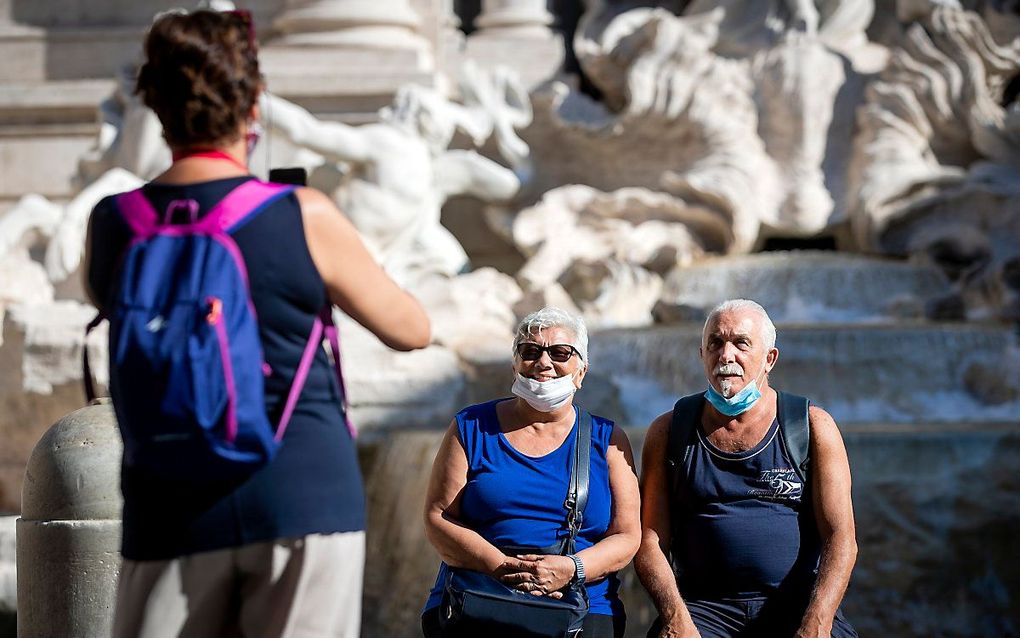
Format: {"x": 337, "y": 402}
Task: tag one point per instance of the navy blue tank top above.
{"x": 744, "y": 526}
{"x": 512, "y": 499}
{"x": 314, "y": 484}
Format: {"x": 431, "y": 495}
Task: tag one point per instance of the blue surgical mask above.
{"x": 738, "y": 403}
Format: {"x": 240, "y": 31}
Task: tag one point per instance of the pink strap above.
{"x": 139, "y": 214}
{"x": 324, "y": 320}
{"x": 334, "y": 344}
{"x": 314, "y": 342}
{"x": 233, "y": 209}
{"x": 245, "y": 200}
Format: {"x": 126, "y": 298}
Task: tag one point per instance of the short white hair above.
{"x": 552, "y": 317}
{"x": 736, "y": 305}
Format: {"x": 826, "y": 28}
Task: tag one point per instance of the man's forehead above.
{"x": 734, "y": 322}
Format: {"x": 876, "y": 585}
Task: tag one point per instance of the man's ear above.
{"x": 771, "y": 357}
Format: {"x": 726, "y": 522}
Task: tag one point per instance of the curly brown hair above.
{"x": 201, "y": 76}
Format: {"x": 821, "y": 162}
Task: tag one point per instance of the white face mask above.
{"x": 545, "y": 396}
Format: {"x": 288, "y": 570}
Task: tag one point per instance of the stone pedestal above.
{"x": 44, "y": 125}
{"x": 517, "y": 34}
{"x": 518, "y": 18}
{"x": 346, "y": 58}
{"x": 69, "y": 530}
{"x": 372, "y": 24}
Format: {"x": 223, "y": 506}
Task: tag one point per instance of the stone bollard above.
{"x": 69, "y": 530}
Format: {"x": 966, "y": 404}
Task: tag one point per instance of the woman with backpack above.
{"x": 243, "y": 503}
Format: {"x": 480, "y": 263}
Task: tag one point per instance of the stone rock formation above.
{"x": 751, "y": 114}
{"x": 939, "y": 165}
{"x": 608, "y": 251}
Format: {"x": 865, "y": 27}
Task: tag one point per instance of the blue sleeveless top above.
{"x": 314, "y": 484}
{"x": 744, "y": 526}
{"x": 516, "y": 500}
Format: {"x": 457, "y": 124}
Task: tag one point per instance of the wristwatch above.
{"x": 578, "y": 578}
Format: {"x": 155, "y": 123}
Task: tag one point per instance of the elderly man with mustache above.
{"x": 747, "y": 520}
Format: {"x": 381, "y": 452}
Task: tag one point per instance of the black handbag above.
{"x": 476, "y": 604}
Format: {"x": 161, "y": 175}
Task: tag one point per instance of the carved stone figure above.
{"x": 34, "y": 220}
{"x": 939, "y": 165}
{"x": 620, "y": 246}
{"x": 392, "y": 177}
{"x": 130, "y": 136}
{"x": 757, "y": 96}
{"x": 652, "y": 66}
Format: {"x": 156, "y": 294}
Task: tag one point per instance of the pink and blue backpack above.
{"x": 186, "y": 364}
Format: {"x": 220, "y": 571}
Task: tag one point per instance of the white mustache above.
{"x": 729, "y": 369}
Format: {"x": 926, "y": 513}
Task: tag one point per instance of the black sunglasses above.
{"x": 558, "y": 352}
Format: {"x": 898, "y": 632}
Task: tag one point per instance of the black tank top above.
{"x": 314, "y": 484}
{"x": 745, "y": 526}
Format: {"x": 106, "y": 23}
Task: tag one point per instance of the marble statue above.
{"x": 621, "y": 246}
{"x": 749, "y": 28}
{"x": 763, "y": 91}
{"x": 60, "y": 230}
{"x": 130, "y": 136}
{"x": 651, "y": 65}
{"x": 713, "y": 131}
{"x": 392, "y": 177}
{"x": 939, "y": 155}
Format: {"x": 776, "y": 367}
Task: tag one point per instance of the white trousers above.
{"x": 292, "y": 588}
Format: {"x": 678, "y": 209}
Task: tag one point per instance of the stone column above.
{"x": 69, "y": 530}
{"x": 517, "y": 18}
{"x": 374, "y": 24}
{"x": 517, "y": 34}
{"x": 346, "y": 57}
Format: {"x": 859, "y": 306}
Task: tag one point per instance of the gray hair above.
{"x": 551, "y": 317}
{"x": 731, "y": 305}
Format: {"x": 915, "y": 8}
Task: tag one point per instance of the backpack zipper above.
{"x": 215, "y": 319}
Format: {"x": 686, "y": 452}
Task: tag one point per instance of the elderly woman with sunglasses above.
{"x": 502, "y": 472}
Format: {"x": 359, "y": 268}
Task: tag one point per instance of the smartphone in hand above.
{"x": 289, "y": 175}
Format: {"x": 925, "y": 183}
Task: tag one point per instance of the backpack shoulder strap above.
{"x": 245, "y": 201}
{"x": 796, "y": 426}
{"x": 686, "y": 417}
{"x": 137, "y": 212}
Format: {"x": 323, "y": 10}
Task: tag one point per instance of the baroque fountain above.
{"x": 854, "y": 165}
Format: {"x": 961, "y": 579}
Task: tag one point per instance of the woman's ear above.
{"x": 580, "y": 376}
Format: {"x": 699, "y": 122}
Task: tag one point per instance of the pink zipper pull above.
{"x": 215, "y": 310}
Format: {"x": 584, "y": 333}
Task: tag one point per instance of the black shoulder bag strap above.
{"x": 796, "y": 426}
{"x": 686, "y": 417}
{"x": 577, "y": 495}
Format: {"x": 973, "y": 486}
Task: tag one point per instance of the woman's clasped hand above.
{"x": 538, "y": 574}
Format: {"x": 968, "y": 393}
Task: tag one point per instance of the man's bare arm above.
{"x": 834, "y": 513}
{"x": 652, "y": 560}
